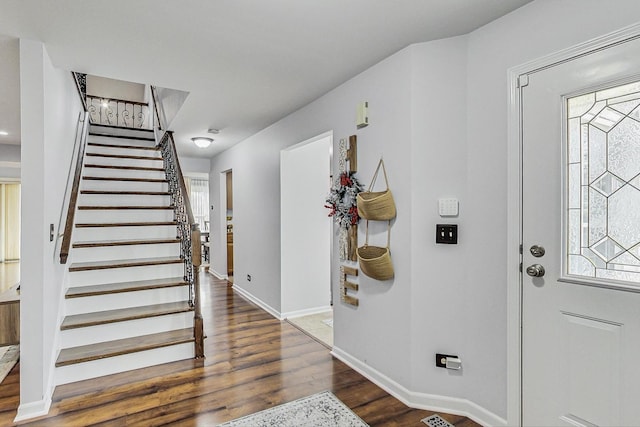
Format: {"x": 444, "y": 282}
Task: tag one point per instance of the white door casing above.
{"x": 580, "y": 337}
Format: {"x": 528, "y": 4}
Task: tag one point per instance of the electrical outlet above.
{"x": 442, "y": 359}
{"x": 248, "y": 277}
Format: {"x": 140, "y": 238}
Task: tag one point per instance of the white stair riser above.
{"x": 126, "y": 300}
{"x": 125, "y": 252}
{"x": 121, "y": 330}
{"x": 123, "y": 151}
{"x": 121, "y": 141}
{"x": 123, "y": 200}
{"x": 116, "y": 161}
{"x": 90, "y": 184}
{"x": 127, "y": 362}
{"x": 127, "y": 274}
{"x": 123, "y": 215}
{"x": 122, "y": 173}
{"x": 92, "y": 234}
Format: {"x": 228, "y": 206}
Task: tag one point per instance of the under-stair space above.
{"x": 127, "y": 304}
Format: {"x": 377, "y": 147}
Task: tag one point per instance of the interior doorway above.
{"x": 9, "y": 235}
{"x": 229, "y": 224}
{"x": 306, "y": 237}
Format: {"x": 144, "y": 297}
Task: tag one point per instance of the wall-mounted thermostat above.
{"x": 448, "y": 207}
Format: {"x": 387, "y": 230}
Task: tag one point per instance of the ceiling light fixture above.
{"x": 4, "y": 133}
{"x": 202, "y": 141}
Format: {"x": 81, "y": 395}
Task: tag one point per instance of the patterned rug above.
{"x": 318, "y": 410}
{"x": 8, "y": 358}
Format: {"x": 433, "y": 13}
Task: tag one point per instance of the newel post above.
{"x": 196, "y": 259}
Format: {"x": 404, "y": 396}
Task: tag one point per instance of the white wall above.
{"x": 195, "y": 165}
{"x": 438, "y": 114}
{"x": 49, "y": 111}
{"x": 306, "y": 228}
{"x": 439, "y": 168}
{"x": 377, "y": 332}
{"x": 9, "y": 162}
{"x": 115, "y": 89}
{"x": 537, "y": 29}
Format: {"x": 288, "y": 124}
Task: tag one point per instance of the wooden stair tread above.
{"x": 114, "y": 288}
{"x": 136, "y": 168}
{"x": 123, "y": 314}
{"x": 123, "y": 263}
{"x": 123, "y": 156}
{"x": 86, "y": 353}
{"x": 112, "y": 178}
{"x": 126, "y": 193}
{"x": 127, "y": 224}
{"x": 102, "y": 243}
{"x": 132, "y": 147}
{"x": 88, "y": 208}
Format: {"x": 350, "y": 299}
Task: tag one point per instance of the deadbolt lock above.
{"x": 537, "y": 251}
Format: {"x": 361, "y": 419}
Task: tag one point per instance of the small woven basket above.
{"x": 375, "y": 262}
{"x": 377, "y": 205}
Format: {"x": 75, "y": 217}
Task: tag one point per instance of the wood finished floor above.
{"x": 253, "y": 362}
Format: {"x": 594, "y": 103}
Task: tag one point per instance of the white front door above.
{"x": 581, "y": 204}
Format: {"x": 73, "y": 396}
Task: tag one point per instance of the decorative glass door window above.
{"x": 603, "y": 177}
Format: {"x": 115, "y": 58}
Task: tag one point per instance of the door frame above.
{"x": 328, "y": 135}
{"x": 514, "y": 201}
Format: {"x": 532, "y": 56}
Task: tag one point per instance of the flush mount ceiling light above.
{"x": 4, "y": 133}
{"x": 202, "y": 141}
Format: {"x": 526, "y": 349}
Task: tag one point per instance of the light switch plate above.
{"x": 448, "y": 207}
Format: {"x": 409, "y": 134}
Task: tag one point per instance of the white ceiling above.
{"x": 246, "y": 63}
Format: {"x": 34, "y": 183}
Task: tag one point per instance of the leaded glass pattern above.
{"x": 603, "y": 184}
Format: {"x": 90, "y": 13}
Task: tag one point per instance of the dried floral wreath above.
{"x": 341, "y": 200}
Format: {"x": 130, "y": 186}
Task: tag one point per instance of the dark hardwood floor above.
{"x": 253, "y": 362}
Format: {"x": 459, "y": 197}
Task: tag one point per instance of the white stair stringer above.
{"x": 113, "y": 229}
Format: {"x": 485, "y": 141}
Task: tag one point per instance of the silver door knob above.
{"x": 537, "y": 251}
{"x": 535, "y": 270}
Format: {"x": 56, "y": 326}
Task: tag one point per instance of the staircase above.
{"x": 127, "y": 304}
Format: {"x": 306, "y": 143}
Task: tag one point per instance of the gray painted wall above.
{"x": 438, "y": 114}
{"x": 9, "y": 161}
{"x": 50, "y": 108}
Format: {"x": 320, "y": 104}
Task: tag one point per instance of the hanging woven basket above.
{"x": 377, "y": 205}
{"x": 375, "y": 261}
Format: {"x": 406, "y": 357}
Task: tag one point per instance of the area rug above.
{"x": 318, "y": 410}
{"x": 8, "y": 358}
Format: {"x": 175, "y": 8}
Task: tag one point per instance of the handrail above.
{"x": 188, "y": 228}
{"x": 155, "y": 107}
{"x": 126, "y": 101}
{"x": 81, "y": 85}
{"x": 188, "y": 233}
{"x": 75, "y": 190}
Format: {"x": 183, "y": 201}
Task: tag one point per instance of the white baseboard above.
{"x": 429, "y": 402}
{"x": 30, "y": 410}
{"x": 257, "y": 301}
{"x": 217, "y": 275}
{"x": 306, "y": 312}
